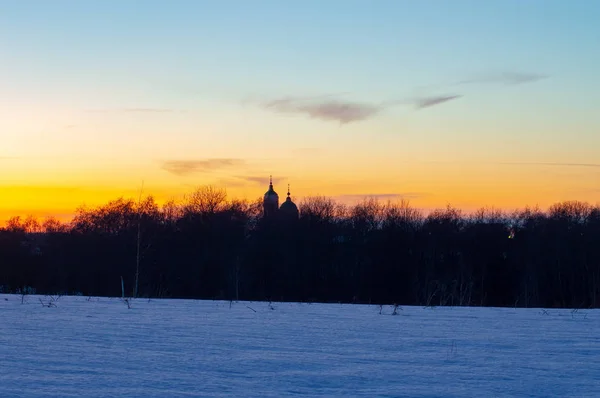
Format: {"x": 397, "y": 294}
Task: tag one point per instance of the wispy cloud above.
{"x": 330, "y": 108}
{"x": 255, "y": 180}
{"x": 345, "y": 112}
{"x": 508, "y": 78}
{"x": 149, "y": 110}
{"x": 380, "y": 196}
{"x": 426, "y": 102}
{"x": 475, "y": 163}
{"x": 187, "y": 167}
{"x": 324, "y": 109}
{"x": 231, "y": 183}
{"x": 136, "y": 110}
{"x": 554, "y": 164}
{"x": 261, "y": 180}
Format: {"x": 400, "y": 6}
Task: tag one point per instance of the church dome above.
{"x": 271, "y": 196}
{"x": 270, "y": 201}
{"x": 288, "y": 207}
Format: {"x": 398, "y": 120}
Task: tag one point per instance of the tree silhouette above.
{"x": 207, "y": 246}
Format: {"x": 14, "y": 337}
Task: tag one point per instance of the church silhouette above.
{"x": 271, "y": 208}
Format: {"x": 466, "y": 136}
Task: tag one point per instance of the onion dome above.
{"x": 289, "y": 208}
{"x": 271, "y": 200}
{"x": 271, "y": 196}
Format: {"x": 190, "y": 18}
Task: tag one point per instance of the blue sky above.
{"x": 379, "y": 50}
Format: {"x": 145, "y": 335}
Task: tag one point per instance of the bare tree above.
{"x": 32, "y": 225}
{"x": 15, "y": 224}
{"x": 53, "y": 225}
{"x": 205, "y": 200}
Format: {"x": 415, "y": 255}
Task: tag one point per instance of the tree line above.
{"x": 207, "y": 246}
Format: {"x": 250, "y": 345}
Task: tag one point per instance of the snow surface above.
{"x": 173, "y": 348}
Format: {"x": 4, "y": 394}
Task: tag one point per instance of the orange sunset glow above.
{"x": 86, "y": 119}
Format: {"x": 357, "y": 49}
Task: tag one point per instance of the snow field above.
{"x": 97, "y": 347}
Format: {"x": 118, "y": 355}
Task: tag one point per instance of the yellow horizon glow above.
{"x": 111, "y": 154}
{"x": 429, "y": 186}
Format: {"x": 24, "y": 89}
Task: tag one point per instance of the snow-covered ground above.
{"x": 169, "y": 348}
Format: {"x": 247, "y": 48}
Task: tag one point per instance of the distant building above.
{"x": 288, "y": 209}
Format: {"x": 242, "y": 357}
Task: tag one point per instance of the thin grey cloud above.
{"x": 508, "y": 78}
{"x": 324, "y": 109}
{"x": 261, "y": 180}
{"x": 474, "y": 163}
{"x": 231, "y": 183}
{"x": 426, "y": 102}
{"x": 136, "y": 110}
{"x": 187, "y": 167}
{"x": 244, "y": 181}
{"x": 149, "y": 110}
{"x": 554, "y": 164}
{"x": 346, "y": 112}
{"x": 328, "y": 108}
{"x": 381, "y": 196}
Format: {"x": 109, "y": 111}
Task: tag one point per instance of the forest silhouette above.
{"x": 210, "y": 247}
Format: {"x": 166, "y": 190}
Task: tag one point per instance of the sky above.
{"x": 466, "y": 103}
